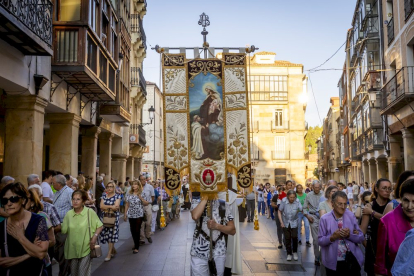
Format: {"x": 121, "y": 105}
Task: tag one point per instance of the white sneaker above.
{"x": 289, "y": 257}
{"x": 295, "y": 256}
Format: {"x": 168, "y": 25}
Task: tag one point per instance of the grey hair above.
{"x": 339, "y": 194}
{"x": 6, "y": 179}
{"x": 31, "y": 178}
{"x": 36, "y": 187}
{"x": 291, "y": 192}
{"x": 331, "y": 182}
{"x": 99, "y": 179}
{"x": 61, "y": 179}
{"x": 316, "y": 182}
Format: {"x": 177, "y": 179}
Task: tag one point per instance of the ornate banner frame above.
{"x": 206, "y": 135}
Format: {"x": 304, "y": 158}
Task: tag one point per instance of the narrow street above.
{"x": 169, "y": 254}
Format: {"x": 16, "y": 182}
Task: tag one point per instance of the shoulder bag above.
{"x": 97, "y": 251}
{"x": 352, "y": 264}
{"x": 109, "y": 219}
{"x": 155, "y": 208}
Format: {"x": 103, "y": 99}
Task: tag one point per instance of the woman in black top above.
{"x": 25, "y": 244}
{"x": 372, "y": 215}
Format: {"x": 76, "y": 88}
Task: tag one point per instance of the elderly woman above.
{"x": 25, "y": 244}
{"x": 82, "y": 227}
{"x": 326, "y": 206}
{"x": 110, "y": 203}
{"x": 392, "y": 229}
{"x": 288, "y": 216}
{"x": 338, "y": 233}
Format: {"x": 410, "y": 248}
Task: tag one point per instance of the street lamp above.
{"x": 151, "y": 112}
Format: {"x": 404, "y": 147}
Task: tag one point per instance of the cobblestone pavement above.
{"x": 169, "y": 254}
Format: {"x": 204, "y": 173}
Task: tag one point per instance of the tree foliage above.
{"x": 313, "y": 134}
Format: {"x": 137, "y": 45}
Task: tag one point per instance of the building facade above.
{"x": 153, "y": 158}
{"x": 71, "y": 110}
{"x": 278, "y": 105}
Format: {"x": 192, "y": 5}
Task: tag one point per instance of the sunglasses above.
{"x": 13, "y": 199}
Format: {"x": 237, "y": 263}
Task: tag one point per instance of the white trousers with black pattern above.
{"x": 199, "y": 267}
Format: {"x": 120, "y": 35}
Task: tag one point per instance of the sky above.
{"x": 299, "y": 31}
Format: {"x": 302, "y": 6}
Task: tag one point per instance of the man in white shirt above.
{"x": 149, "y": 196}
{"x": 46, "y": 189}
{"x": 355, "y": 192}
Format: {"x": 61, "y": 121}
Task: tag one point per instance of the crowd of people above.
{"x": 58, "y": 218}
{"x": 354, "y": 228}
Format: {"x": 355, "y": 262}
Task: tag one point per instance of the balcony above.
{"x": 138, "y": 28}
{"x": 370, "y": 23}
{"x": 137, "y": 135}
{"x": 138, "y": 80}
{"x": 399, "y": 91}
{"x": 115, "y": 113}
{"x": 280, "y": 155}
{"x": 390, "y": 31}
{"x": 27, "y": 25}
{"x": 375, "y": 139}
{"x": 283, "y": 128}
{"x": 257, "y": 96}
{"x": 85, "y": 65}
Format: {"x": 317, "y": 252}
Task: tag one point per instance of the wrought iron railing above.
{"x": 408, "y": 7}
{"x": 137, "y": 79}
{"x": 398, "y": 86}
{"x": 138, "y": 129}
{"x": 34, "y": 14}
{"x": 138, "y": 28}
{"x": 390, "y": 31}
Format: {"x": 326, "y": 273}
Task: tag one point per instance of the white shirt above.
{"x": 148, "y": 192}
{"x": 47, "y": 190}
{"x": 361, "y": 190}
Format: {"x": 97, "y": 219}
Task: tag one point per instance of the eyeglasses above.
{"x": 13, "y": 199}
{"x": 386, "y": 189}
{"x": 340, "y": 204}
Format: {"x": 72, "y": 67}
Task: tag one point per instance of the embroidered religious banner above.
{"x": 206, "y": 122}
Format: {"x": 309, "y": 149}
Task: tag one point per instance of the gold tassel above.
{"x": 162, "y": 219}
{"x": 227, "y": 196}
{"x": 256, "y": 218}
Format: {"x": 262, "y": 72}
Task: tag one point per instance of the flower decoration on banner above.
{"x": 238, "y": 147}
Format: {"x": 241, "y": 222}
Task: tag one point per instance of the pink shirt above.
{"x": 391, "y": 233}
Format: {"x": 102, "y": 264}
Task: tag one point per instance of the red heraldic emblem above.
{"x": 208, "y": 177}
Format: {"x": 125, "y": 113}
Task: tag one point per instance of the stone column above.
{"x": 119, "y": 167}
{"x": 381, "y": 168}
{"x": 394, "y": 160}
{"x": 408, "y": 140}
{"x": 372, "y": 171}
{"x": 130, "y": 167}
{"x": 365, "y": 169}
{"x": 137, "y": 167}
{"x": 89, "y": 151}
{"x": 23, "y": 145}
{"x": 64, "y": 135}
{"x": 105, "y": 154}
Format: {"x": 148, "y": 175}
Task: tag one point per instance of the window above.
{"x": 67, "y": 49}
{"x": 355, "y": 129}
{"x": 353, "y": 88}
{"x": 111, "y": 79}
{"x": 280, "y": 149}
{"x": 102, "y": 67}
{"x": 70, "y": 10}
{"x": 114, "y": 37}
{"x": 92, "y": 51}
{"x": 359, "y": 123}
{"x": 268, "y": 88}
{"x": 367, "y": 119}
{"x": 279, "y": 117}
{"x": 93, "y": 14}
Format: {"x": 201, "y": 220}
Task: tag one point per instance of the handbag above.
{"x": 155, "y": 208}
{"x": 352, "y": 264}
{"x": 97, "y": 251}
{"x": 109, "y": 219}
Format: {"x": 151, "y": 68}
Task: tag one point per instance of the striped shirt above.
{"x": 63, "y": 201}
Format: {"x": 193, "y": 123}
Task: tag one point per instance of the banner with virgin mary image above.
{"x": 206, "y": 122}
